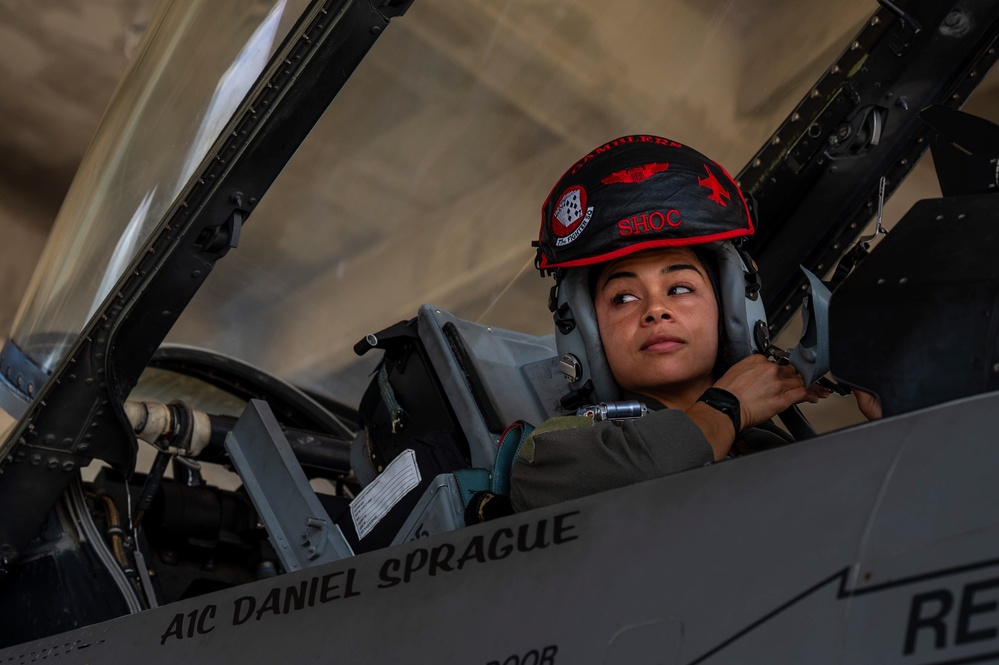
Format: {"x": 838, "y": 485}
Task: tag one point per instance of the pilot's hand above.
{"x": 868, "y": 404}
{"x": 764, "y": 388}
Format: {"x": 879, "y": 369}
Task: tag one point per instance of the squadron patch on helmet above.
{"x": 569, "y": 218}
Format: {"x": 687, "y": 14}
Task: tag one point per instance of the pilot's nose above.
{"x": 657, "y": 309}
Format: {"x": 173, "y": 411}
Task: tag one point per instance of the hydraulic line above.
{"x": 76, "y": 503}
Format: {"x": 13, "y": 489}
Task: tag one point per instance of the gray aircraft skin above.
{"x": 873, "y": 544}
{"x": 878, "y": 543}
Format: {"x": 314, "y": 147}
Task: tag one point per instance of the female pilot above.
{"x": 654, "y": 301}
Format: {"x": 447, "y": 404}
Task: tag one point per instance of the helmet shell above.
{"x": 636, "y": 193}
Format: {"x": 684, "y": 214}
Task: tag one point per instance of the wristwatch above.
{"x": 725, "y": 402}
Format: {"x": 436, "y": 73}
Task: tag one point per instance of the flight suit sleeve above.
{"x": 572, "y": 456}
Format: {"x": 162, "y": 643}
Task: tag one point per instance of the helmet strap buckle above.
{"x": 553, "y": 298}
{"x": 564, "y": 320}
{"x": 752, "y": 274}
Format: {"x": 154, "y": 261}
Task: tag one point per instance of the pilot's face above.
{"x": 658, "y": 321}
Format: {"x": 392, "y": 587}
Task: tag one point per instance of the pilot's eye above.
{"x": 679, "y": 289}
{"x": 623, "y": 298}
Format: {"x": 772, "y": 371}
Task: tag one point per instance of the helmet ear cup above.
{"x": 581, "y": 339}
{"x": 741, "y": 303}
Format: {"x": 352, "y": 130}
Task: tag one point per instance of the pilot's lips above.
{"x": 662, "y": 344}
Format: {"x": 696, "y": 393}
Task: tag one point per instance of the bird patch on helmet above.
{"x": 636, "y": 174}
{"x": 571, "y": 215}
{"x": 635, "y": 193}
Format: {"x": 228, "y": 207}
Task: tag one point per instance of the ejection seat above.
{"x": 445, "y": 393}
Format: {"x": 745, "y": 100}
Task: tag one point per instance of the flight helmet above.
{"x": 632, "y": 194}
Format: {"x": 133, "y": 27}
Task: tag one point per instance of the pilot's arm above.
{"x": 572, "y": 456}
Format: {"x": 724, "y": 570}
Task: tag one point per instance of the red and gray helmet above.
{"x": 629, "y": 195}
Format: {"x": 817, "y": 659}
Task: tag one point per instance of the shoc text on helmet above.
{"x": 649, "y": 222}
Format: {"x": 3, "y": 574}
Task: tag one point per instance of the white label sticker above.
{"x": 377, "y": 499}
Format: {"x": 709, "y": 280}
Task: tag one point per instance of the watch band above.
{"x": 727, "y": 403}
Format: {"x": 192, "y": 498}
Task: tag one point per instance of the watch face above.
{"x": 720, "y": 399}
{"x": 726, "y": 404}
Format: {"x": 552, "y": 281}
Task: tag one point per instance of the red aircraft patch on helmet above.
{"x": 717, "y": 191}
{"x": 571, "y": 215}
{"x": 636, "y": 174}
